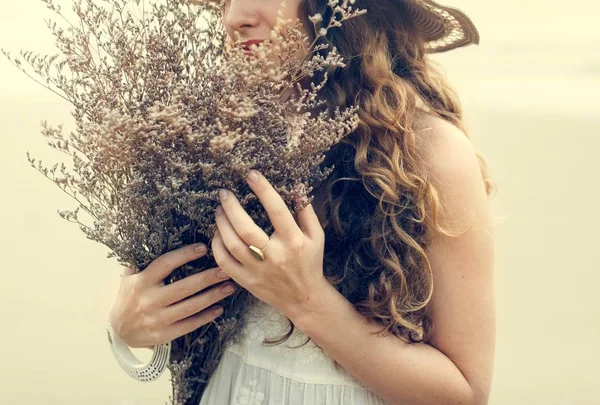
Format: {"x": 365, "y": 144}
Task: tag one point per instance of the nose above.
{"x": 240, "y": 16}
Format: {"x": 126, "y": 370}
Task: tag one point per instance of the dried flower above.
{"x": 167, "y": 113}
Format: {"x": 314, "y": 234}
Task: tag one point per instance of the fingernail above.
{"x": 222, "y": 274}
{"x": 253, "y": 176}
{"x": 219, "y": 211}
{"x": 223, "y": 194}
{"x": 200, "y": 248}
{"x": 227, "y": 289}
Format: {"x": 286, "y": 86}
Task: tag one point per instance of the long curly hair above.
{"x": 380, "y": 207}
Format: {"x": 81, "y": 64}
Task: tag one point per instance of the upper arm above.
{"x": 462, "y": 307}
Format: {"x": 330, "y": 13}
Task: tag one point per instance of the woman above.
{"x": 405, "y": 212}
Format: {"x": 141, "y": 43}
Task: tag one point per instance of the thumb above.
{"x": 127, "y": 271}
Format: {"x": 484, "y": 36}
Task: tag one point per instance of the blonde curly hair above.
{"x": 380, "y": 208}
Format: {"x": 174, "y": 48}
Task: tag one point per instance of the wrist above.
{"x": 135, "y": 368}
{"x": 312, "y": 311}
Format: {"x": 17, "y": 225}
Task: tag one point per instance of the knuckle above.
{"x": 296, "y": 244}
{"x": 217, "y": 294}
{"x": 238, "y": 248}
{"x": 214, "y": 278}
{"x": 251, "y": 283}
{"x": 205, "y": 278}
{"x": 188, "y": 308}
{"x": 280, "y": 262}
{"x": 152, "y": 324}
{"x": 156, "y": 337}
{"x": 224, "y": 262}
{"x": 246, "y": 234}
{"x": 144, "y": 306}
{"x": 181, "y": 290}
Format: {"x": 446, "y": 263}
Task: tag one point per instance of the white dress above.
{"x": 250, "y": 373}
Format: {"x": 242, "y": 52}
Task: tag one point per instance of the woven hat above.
{"x": 443, "y": 28}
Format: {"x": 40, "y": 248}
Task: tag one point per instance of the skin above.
{"x": 256, "y": 19}
{"x": 456, "y": 368}
{"x": 146, "y": 312}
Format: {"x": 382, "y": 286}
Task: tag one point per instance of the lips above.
{"x": 246, "y": 45}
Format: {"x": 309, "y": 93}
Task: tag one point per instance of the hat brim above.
{"x": 443, "y": 28}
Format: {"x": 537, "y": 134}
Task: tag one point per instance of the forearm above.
{"x": 400, "y": 373}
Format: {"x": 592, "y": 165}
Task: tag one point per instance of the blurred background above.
{"x": 530, "y": 92}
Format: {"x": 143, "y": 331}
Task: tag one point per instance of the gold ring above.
{"x": 258, "y": 253}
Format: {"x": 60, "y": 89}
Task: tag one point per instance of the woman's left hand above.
{"x": 291, "y": 276}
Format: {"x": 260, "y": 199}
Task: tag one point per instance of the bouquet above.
{"x": 167, "y": 111}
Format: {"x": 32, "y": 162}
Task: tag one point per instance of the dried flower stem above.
{"x": 165, "y": 116}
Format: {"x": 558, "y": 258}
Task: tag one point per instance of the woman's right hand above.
{"x": 148, "y": 313}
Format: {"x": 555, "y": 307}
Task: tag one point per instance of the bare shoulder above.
{"x": 443, "y": 146}
{"x": 453, "y": 169}
{"x": 462, "y": 306}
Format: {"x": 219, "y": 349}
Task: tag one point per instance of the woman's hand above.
{"x": 147, "y": 312}
{"x": 291, "y": 276}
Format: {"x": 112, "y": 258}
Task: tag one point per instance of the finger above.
{"x": 127, "y": 271}
{"x": 232, "y": 241}
{"x": 190, "y": 285}
{"x": 243, "y": 225}
{"x": 195, "y": 304}
{"x": 165, "y": 264}
{"x": 228, "y": 263}
{"x": 309, "y": 223}
{"x": 278, "y": 212}
{"x": 190, "y": 324}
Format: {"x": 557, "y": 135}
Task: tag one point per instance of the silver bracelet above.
{"x": 132, "y": 365}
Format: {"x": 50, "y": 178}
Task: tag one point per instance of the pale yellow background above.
{"x": 530, "y": 92}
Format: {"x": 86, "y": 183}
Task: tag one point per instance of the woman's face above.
{"x": 254, "y": 19}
